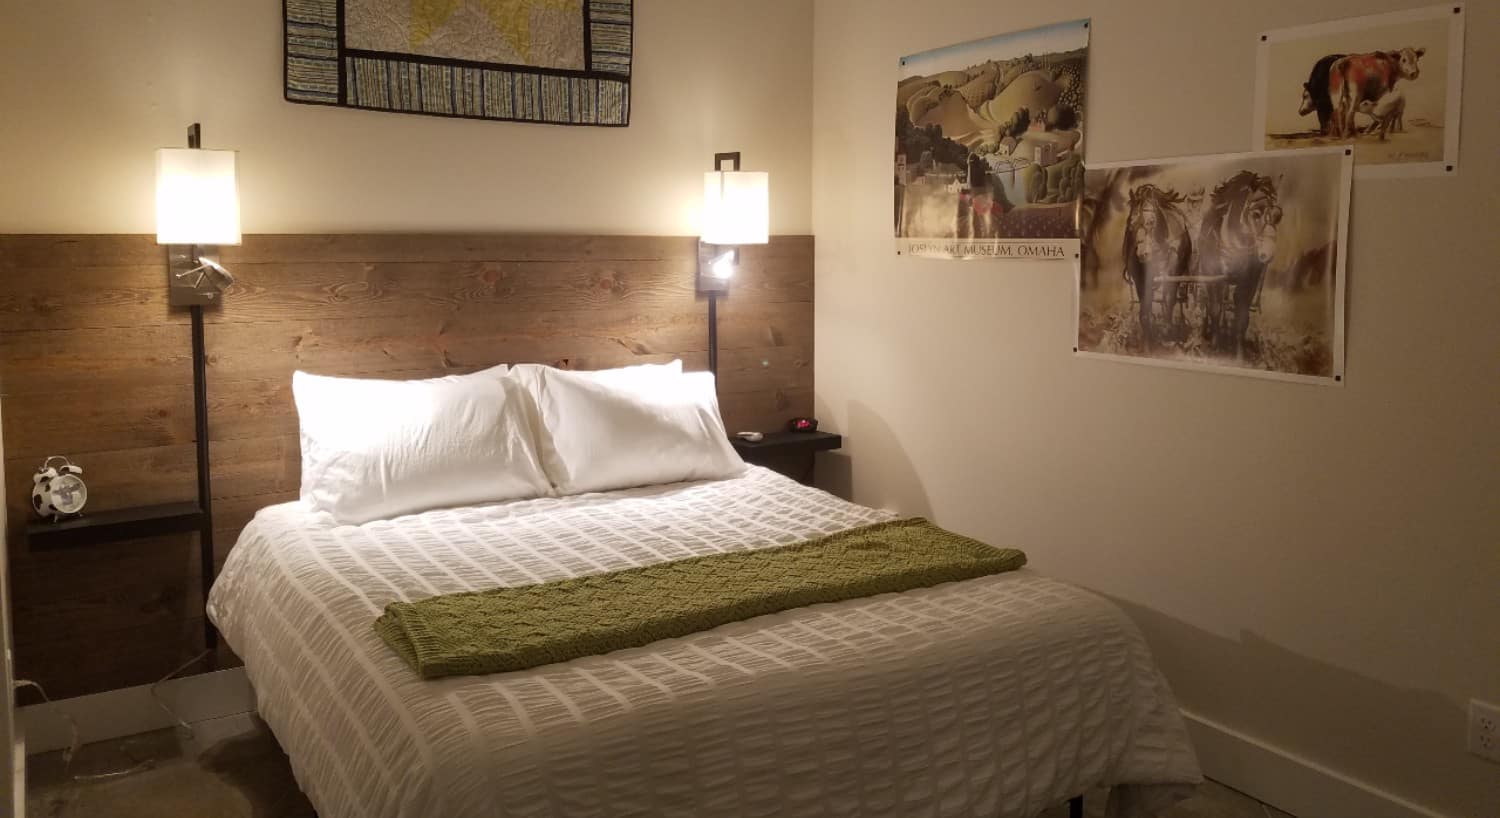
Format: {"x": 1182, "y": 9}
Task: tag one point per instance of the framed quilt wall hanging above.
{"x": 563, "y": 62}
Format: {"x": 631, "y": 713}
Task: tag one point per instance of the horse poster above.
{"x": 1390, "y": 85}
{"x": 989, "y": 146}
{"x": 1231, "y": 263}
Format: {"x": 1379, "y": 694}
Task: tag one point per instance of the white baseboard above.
{"x": 131, "y": 710}
{"x": 1289, "y": 782}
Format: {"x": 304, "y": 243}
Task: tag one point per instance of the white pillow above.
{"x": 637, "y": 377}
{"x": 373, "y": 449}
{"x": 607, "y": 430}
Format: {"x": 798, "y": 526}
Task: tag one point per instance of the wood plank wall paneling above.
{"x": 93, "y": 364}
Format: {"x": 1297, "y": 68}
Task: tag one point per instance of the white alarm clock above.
{"x": 57, "y": 491}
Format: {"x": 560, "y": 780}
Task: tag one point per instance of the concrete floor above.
{"x": 233, "y": 768}
{"x": 230, "y": 768}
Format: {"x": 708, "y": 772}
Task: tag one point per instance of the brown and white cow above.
{"x": 1361, "y": 78}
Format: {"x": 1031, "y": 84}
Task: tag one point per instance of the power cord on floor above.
{"x": 75, "y": 743}
{"x": 156, "y": 694}
{"x": 75, "y": 740}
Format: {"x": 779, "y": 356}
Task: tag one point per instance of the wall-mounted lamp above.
{"x": 736, "y": 211}
{"x": 197, "y": 209}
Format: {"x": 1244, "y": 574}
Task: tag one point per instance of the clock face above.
{"x": 69, "y": 493}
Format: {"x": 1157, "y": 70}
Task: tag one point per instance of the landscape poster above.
{"x": 1233, "y": 263}
{"x": 989, "y": 146}
{"x": 1387, "y": 84}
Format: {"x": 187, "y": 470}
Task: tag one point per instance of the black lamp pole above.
{"x": 205, "y": 492}
{"x": 713, "y": 334}
{"x": 200, "y": 435}
{"x": 713, "y": 295}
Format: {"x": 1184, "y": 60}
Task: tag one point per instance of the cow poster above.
{"x": 1231, "y": 263}
{"x": 1390, "y": 85}
{"x": 989, "y": 146}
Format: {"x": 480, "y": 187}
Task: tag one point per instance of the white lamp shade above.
{"x": 197, "y": 197}
{"x": 736, "y": 207}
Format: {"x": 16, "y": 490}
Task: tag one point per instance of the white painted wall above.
{"x": 1317, "y": 568}
{"x": 92, "y": 88}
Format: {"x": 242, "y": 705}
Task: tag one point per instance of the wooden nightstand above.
{"x": 789, "y": 453}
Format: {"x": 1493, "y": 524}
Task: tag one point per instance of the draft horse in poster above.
{"x": 1158, "y": 253}
{"x": 1234, "y": 239}
{"x": 1237, "y": 241}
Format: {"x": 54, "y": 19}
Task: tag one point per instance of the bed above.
{"x": 1000, "y": 696}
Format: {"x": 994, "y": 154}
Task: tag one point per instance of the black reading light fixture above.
{"x": 736, "y": 211}
{"x": 198, "y": 209}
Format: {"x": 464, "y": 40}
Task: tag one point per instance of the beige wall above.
{"x": 1316, "y": 567}
{"x": 92, "y": 87}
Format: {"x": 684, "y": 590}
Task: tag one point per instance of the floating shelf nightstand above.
{"x": 790, "y": 453}
{"x": 94, "y": 528}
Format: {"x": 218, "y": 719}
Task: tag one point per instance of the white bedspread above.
{"x": 994, "y": 697}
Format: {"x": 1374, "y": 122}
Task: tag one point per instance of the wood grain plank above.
{"x": 158, "y": 354}
{"x": 113, "y": 587}
{"x": 488, "y": 247}
{"x": 78, "y": 297}
{"x": 124, "y": 297}
{"x": 77, "y": 664}
{"x": 67, "y": 251}
{"x": 81, "y": 421}
{"x": 51, "y": 362}
{"x": 455, "y": 247}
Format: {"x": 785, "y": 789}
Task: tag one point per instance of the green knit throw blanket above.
{"x": 505, "y": 629}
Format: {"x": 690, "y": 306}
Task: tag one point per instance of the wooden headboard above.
{"x": 96, "y": 366}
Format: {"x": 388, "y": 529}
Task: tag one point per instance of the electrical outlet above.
{"x": 1484, "y": 730}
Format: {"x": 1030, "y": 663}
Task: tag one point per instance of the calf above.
{"x": 1360, "y": 78}
{"x": 1389, "y": 113}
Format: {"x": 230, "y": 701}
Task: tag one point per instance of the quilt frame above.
{"x": 321, "y": 69}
